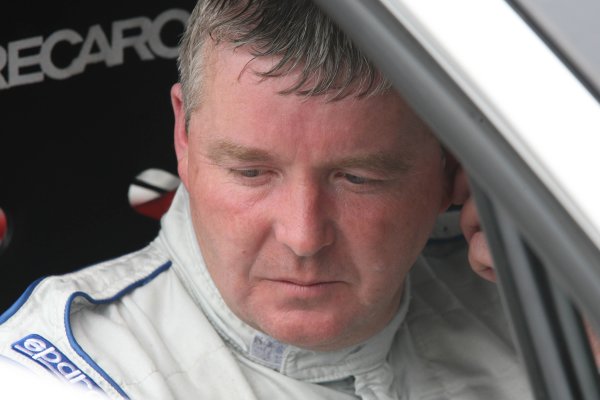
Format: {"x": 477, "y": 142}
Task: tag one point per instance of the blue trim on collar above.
{"x": 12, "y": 310}
{"x": 120, "y": 294}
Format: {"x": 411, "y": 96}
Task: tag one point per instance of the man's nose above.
{"x": 304, "y": 221}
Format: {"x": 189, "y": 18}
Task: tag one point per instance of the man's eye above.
{"x": 357, "y": 180}
{"x": 251, "y": 176}
{"x": 249, "y": 173}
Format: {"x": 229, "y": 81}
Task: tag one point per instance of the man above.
{"x": 282, "y": 268}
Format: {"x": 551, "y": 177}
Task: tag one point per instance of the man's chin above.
{"x": 309, "y": 330}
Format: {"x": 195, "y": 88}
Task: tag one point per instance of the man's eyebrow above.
{"x": 379, "y": 162}
{"x": 223, "y": 150}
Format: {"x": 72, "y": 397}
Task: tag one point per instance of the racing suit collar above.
{"x": 359, "y": 361}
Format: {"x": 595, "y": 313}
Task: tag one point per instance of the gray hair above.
{"x": 296, "y": 31}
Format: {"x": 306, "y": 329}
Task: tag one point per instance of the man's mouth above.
{"x": 299, "y": 288}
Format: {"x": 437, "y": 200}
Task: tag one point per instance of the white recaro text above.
{"x": 27, "y": 61}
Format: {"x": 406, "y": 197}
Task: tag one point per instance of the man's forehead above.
{"x": 238, "y": 100}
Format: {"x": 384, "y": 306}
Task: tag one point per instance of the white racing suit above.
{"x": 152, "y": 325}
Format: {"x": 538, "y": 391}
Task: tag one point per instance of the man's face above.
{"x": 309, "y": 213}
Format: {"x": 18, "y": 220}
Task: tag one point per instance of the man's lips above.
{"x": 302, "y": 283}
{"x": 312, "y": 288}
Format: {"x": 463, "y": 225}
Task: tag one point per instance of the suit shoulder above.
{"x": 44, "y": 300}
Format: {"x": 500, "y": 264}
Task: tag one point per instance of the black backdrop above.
{"x": 74, "y": 131}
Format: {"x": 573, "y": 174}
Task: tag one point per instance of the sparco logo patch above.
{"x": 47, "y": 355}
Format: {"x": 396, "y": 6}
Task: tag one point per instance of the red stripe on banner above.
{"x": 157, "y": 207}
{"x": 3, "y": 225}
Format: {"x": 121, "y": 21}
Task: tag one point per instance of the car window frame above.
{"x": 528, "y": 227}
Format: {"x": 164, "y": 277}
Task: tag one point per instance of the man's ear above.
{"x": 180, "y": 133}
